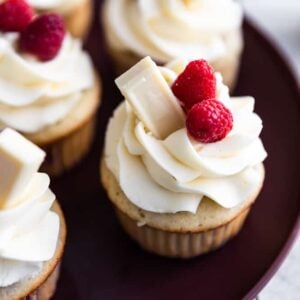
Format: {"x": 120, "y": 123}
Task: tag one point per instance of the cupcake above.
{"x": 165, "y": 30}
{"x": 182, "y": 162}
{"x": 49, "y": 90}
{"x": 32, "y": 226}
{"x": 76, "y": 13}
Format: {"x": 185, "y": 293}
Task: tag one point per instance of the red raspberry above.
{"x": 15, "y": 15}
{"x": 195, "y": 84}
{"x": 209, "y": 121}
{"x": 43, "y": 37}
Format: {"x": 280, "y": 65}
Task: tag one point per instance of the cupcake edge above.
{"x": 184, "y": 243}
{"x": 44, "y": 284}
{"x": 79, "y": 20}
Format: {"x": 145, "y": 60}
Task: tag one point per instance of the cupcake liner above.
{"x": 64, "y": 153}
{"x": 181, "y": 244}
{"x": 47, "y": 289}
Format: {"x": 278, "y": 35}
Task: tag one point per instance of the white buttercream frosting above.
{"x": 55, "y": 5}
{"x": 167, "y": 29}
{"x": 173, "y": 174}
{"x": 34, "y": 94}
{"x": 28, "y": 230}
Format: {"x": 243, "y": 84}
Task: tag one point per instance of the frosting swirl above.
{"x": 28, "y": 229}
{"x": 33, "y": 94}
{"x": 167, "y": 29}
{"x": 173, "y": 174}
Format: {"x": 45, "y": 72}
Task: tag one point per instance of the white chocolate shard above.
{"x": 151, "y": 98}
{"x": 19, "y": 161}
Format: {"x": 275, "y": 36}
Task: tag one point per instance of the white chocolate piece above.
{"x": 151, "y": 98}
{"x": 19, "y": 161}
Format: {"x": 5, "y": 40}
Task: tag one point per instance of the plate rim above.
{"x": 289, "y": 72}
{"x": 284, "y": 62}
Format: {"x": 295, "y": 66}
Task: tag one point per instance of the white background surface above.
{"x": 281, "y": 19}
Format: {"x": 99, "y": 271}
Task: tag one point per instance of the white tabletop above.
{"x": 281, "y": 19}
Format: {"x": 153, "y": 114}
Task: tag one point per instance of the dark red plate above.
{"x": 101, "y": 262}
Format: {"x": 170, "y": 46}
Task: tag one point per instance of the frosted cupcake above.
{"x": 182, "y": 184}
{"x": 48, "y": 90}
{"x": 164, "y": 30}
{"x": 32, "y": 226}
{"x": 76, "y": 13}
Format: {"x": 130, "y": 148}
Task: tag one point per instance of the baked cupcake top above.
{"x": 43, "y": 73}
{"x": 178, "y": 136}
{"x": 172, "y": 28}
{"x": 60, "y": 6}
{"x": 28, "y": 229}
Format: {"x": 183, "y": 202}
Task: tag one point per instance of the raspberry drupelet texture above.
{"x": 43, "y": 37}
{"x": 195, "y": 84}
{"x": 209, "y": 121}
{"x": 15, "y": 15}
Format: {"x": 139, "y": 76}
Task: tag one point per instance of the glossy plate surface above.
{"x": 101, "y": 262}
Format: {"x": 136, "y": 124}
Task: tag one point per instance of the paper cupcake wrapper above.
{"x": 47, "y": 289}
{"x": 63, "y": 154}
{"x": 182, "y": 245}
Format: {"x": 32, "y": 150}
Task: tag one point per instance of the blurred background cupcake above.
{"x": 209, "y": 29}
{"x": 76, "y": 13}
{"x": 32, "y": 225}
{"x": 49, "y": 90}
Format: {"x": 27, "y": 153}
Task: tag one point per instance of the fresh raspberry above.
{"x": 209, "y": 121}
{"x": 15, "y": 15}
{"x": 43, "y": 37}
{"x": 195, "y": 84}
